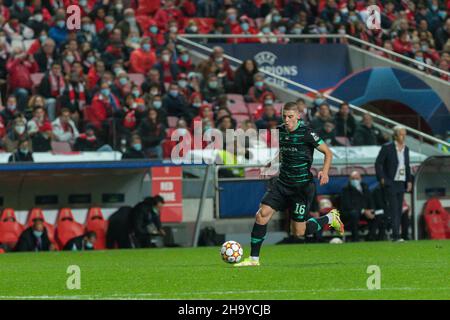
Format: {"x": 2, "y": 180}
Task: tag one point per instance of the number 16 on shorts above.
{"x": 300, "y": 210}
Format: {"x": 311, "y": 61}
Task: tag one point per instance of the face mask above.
{"x": 12, "y": 107}
{"x": 173, "y": 29}
{"x": 182, "y": 131}
{"x": 119, "y": 6}
{"x": 136, "y": 93}
{"x": 61, "y": 24}
{"x": 341, "y": 31}
{"x": 196, "y": 104}
{"x": 232, "y": 17}
{"x": 194, "y": 28}
{"x": 337, "y": 19}
{"x": 353, "y": 18}
{"x": 38, "y": 18}
{"x": 24, "y": 151}
{"x": 37, "y": 234}
{"x": 424, "y": 48}
{"x": 268, "y": 101}
{"x": 154, "y": 92}
{"x": 356, "y": 184}
{"x": 245, "y": 26}
{"x": 154, "y": 29}
{"x": 117, "y": 70}
{"x": 442, "y": 14}
{"x": 184, "y": 57}
{"x": 91, "y": 59}
{"x": 137, "y": 146}
{"x": 276, "y": 18}
{"x": 109, "y": 26}
{"x": 259, "y": 84}
{"x": 146, "y": 47}
{"x": 182, "y": 83}
{"x": 106, "y": 92}
{"x": 20, "y": 129}
{"x": 420, "y": 59}
{"x": 265, "y": 30}
{"x": 83, "y": 3}
{"x": 135, "y": 39}
{"x": 42, "y": 38}
{"x": 213, "y": 84}
{"x": 434, "y": 7}
{"x": 297, "y": 30}
{"x": 157, "y": 104}
{"x": 282, "y": 29}
{"x": 165, "y": 57}
{"x": 89, "y": 245}
{"x": 323, "y": 30}
{"x": 173, "y": 93}
{"x": 130, "y": 20}
{"x": 70, "y": 59}
{"x": 20, "y": 4}
{"x": 123, "y": 81}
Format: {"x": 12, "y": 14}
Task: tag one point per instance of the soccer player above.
{"x": 294, "y": 187}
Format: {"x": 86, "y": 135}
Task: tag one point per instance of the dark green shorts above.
{"x": 299, "y": 199}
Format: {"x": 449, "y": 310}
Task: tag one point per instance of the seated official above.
{"x": 81, "y": 243}
{"x": 34, "y": 238}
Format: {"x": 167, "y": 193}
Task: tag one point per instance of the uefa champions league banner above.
{"x": 319, "y": 66}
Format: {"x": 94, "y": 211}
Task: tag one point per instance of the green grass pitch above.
{"x": 411, "y": 270}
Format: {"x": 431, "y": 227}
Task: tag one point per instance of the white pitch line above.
{"x": 135, "y": 295}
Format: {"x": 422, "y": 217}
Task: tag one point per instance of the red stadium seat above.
{"x": 66, "y": 227}
{"x": 137, "y": 78}
{"x": 238, "y": 107}
{"x": 61, "y": 147}
{"x": 234, "y": 98}
{"x": 97, "y": 223}
{"x": 10, "y": 229}
{"x": 278, "y": 107}
{"x": 436, "y": 219}
{"x": 253, "y": 108}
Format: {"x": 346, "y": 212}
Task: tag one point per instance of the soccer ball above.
{"x": 336, "y": 241}
{"x": 231, "y": 252}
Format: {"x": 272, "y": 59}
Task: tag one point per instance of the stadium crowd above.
{"x": 81, "y": 87}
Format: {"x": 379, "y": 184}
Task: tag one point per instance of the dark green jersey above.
{"x": 296, "y": 154}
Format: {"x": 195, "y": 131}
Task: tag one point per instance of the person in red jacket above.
{"x": 402, "y": 43}
{"x": 142, "y": 59}
{"x": 20, "y": 67}
{"x": 104, "y": 105}
{"x": 166, "y": 13}
{"x": 157, "y": 39}
{"x": 244, "y": 28}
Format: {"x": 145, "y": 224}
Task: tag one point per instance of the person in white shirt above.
{"x": 64, "y": 129}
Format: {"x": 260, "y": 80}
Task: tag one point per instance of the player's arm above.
{"x": 323, "y": 174}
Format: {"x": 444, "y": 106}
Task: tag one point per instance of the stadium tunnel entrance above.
{"x": 399, "y": 112}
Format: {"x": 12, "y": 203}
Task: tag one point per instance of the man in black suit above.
{"x": 394, "y": 174}
{"x": 34, "y": 238}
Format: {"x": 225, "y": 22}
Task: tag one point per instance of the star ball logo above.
{"x": 73, "y": 17}
{"x": 373, "y": 21}
{"x": 266, "y": 61}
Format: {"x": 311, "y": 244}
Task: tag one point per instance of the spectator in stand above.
{"x": 10, "y": 112}
{"x": 269, "y": 115}
{"x": 37, "y": 44}
{"x": 366, "y": 134}
{"x": 75, "y": 96}
{"x": 443, "y": 34}
{"x": 46, "y": 55}
{"x": 168, "y": 70}
{"x": 88, "y": 141}
{"x": 244, "y": 28}
{"x": 17, "y": 133}
{"x": 217, "y": 56}
{"x": 267, "y": 33}
{"x": 105, "y": 105}
{"x": 23, "y": 153}
{"x": 175, "y": 104}
{"x": 129, "y": 23}
{"x": 184, "y": 62}
{"x": 259, "y": 89}
{"x": 17, "y": 30}
{"x": 218, "y": 29}
{"x": 345, "y": 122}
{"x": 143, "y": 59}
{"x": 40, "y": 130}
{"x": 212, "y": 88}
{"x": 34, "y": 238}
{"x": 20, "y": 67}
{"x": 64, "y": 129}
{"x": 134, "y": 151}
{"x": 328, "y": 134}
{"x": 356, "y": 203}
{"x": 322, "y": 116}
{"x": 51, "y": 87}
{"x": 167, "y": 12}
{"x": 152, "y": 133}
{"x": 205, "y": 114}
{"x": 153, "y": 84}
{"x": 305, "y": 111}
{"x": 402, "y": 44}
{"x": 84, "y": 242}
{"x": 88, "y": 34}
{"x": 244, "y": 76}
{"x": 59, "y": 31}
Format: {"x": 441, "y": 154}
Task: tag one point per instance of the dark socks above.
{"x": 258, "y": 236}
{"x": 314, "y": 225}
